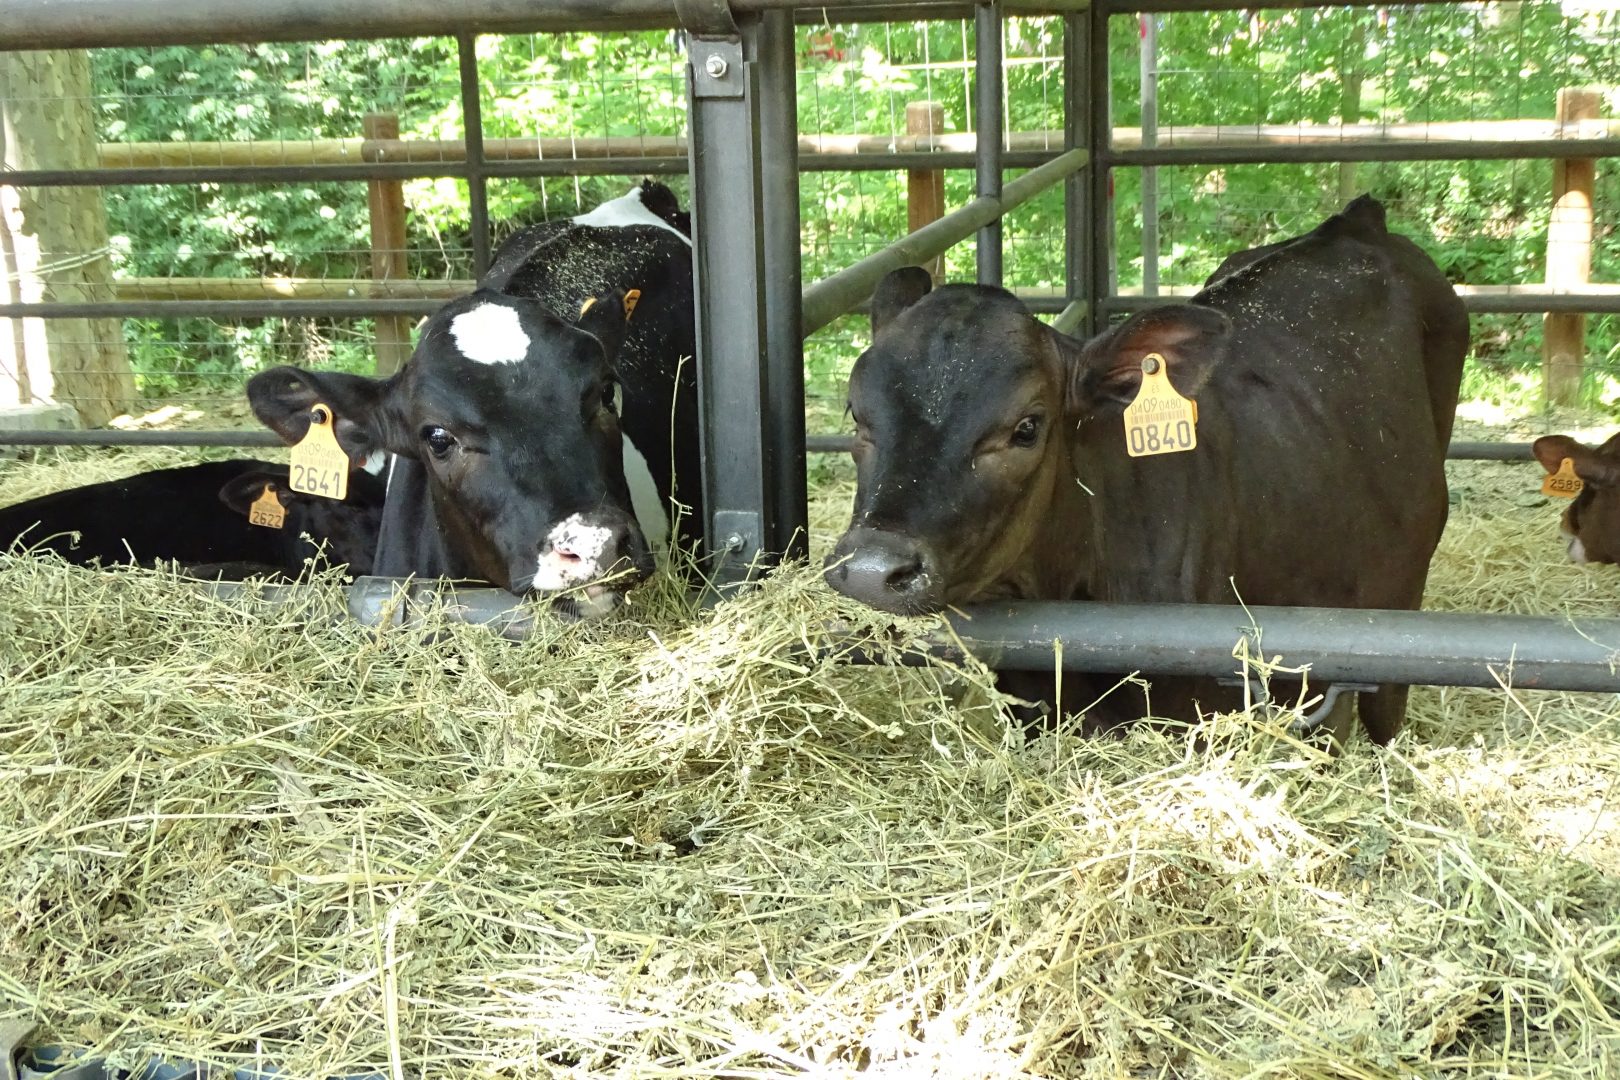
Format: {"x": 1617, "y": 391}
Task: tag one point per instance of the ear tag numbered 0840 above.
{"x": 267, "y": 510}
{"x": 1563, "y": 484}
{"x": 1159, "y": 421}
{"x": 319, "y": 465}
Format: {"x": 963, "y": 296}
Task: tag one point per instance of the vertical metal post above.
{"x": 787, "y": 525}
{"x": 472, "y": 130}
{"x": 1099, "y": 131}
{"x": 987, "y": 124}
{"x": 1150, "y": 137}
{"x": 743, "y": 139}
{"x": 1077, "y": 188}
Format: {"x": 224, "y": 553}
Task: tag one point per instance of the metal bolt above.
{"x": 735, "y": 541}
{"x": 715, "y": 65}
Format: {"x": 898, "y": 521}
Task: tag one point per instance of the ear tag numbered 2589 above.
{"x": 319, "y": 465}
{"x": 1159, "y": 421}
{"x": 267, "y": 510}
{"x": 1563, "y": 484}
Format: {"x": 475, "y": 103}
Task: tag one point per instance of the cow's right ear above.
{"x": 1593, "y": 467}
{"x": 898, "y": 290}
{"x": 366, "y": 420}
{"x": 241, "y": 492}
{"x": 1106, "y": 372}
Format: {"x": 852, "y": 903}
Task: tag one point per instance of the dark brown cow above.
{"x": 1591, "y": 524}
{"x": 992, "y": 457}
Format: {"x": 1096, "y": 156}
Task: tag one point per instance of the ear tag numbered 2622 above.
{"x": 319, "y": 465}
{"x": 1159, "y": 421}
{"x": 1563, "y": 484}
{"x": 267, "y": 510}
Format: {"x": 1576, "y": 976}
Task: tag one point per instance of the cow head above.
{"x": 345, "y": 532}
{"x": 513, "y": 415}
{"x": 961, "y": 453}
{"x": 1591, "y": 524}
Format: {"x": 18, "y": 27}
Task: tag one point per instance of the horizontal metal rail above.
{"x": 223, "y": 309}
{"x": 839, "y": 293}
{"x": 77, "y": 24}
{"x": 1420, "y": 648}
{"x": 1477, "y": 299}
{"x": 1329, "y": 152}
{"x": 1127, "y": 7}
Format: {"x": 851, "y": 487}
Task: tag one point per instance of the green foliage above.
{"x": 1484, "y": 221}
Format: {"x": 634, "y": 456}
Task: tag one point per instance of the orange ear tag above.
{"x": 590, "y": 302}
{"x": 1563, "y": 484}
{"x": 1159, "y": 421}
{"x": 631, "y": 299}
{"x": 319, "y": 465}
{"x": 267, "y": 509}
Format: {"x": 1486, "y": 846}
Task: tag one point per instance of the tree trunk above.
{"x": 53, "y": 244}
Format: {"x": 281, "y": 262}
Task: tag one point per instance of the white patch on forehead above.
{"x": 645, "y": 501}
{"x": 584, "y": 546}
{"x": 490, "y": 334}
{"x": 627, "y": 210}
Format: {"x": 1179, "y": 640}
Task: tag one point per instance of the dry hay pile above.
{"x": 673, "y": 846}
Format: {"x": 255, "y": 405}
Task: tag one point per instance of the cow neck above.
{"x": 1060, "y": 551}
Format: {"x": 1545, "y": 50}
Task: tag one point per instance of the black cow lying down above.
{"x": 197, "y": 515}
{"x": 545, "y": 425}
{"x": 992, "y": 459}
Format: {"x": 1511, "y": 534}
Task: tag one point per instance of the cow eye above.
{"x": 1027, "y": 431}
{"x": 439, "y": 441}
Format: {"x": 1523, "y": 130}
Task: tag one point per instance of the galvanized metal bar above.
{"x": 1150, "y": 136}
{"x": 72, "y": 24}
{"x": 472, "y": 134}
{"x": 222, "y": 309}
{"x": 258, "y": 437}
{"x": 989, "y": 131}
{"x": 1076, "y": 251}
{"x": 1099, "y": 136}
{"x": 1121, "y": 7}
{"x": 1069, "y": 319}
{"x": 1457, "y": 451}
{"x": 728, "y": 223}
{"x": 1523, "y": 303}
{"x": 1325, "y": 150}
{"x": 787, "y": 524}
{"x": 839, "y": 293}
{"x": 1426, "y": 648}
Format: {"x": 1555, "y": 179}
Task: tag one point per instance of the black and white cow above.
{"x": 992, "y": 456}
{"x": 197, "y": 515}
{"x": 546, "y": 425}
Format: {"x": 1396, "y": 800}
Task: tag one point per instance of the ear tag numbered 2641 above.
{"x": 267, "y": 510}
{"x": 1563, "y": 484}
{"x": 1159, "y": 421}
{"x": 319, "y": 465}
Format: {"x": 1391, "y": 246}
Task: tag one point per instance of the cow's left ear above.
{"x": 603, "y": 317}
{"x": 1106, "y": 372}
{"x": 1592, "y": 466}
{"x": 241, "y": 492}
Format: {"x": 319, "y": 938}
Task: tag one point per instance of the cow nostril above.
{"x": 564, "y": 555}
{"x": 905, "y": 578}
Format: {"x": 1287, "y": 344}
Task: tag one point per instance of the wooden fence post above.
{"x": 1569, "y": 255}
{"x": 925, "y": 188}
{"x": 386, "y": 199}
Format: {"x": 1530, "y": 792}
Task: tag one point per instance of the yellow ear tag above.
{"x": 590, "y": 302}
{"x": 631, "y": 299}
{"x": 1159, "y": 421}
{"x": 319, "y": 465}
{"x": 1563, "y": 484}
{"x": 267, "y": 509}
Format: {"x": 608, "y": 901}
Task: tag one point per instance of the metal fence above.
{"x": 741, "y": 101}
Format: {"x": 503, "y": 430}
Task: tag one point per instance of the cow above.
{"x": 992, "y": 461}
{"x": 1591, "y": 523}
{"x": 198, "y": 516}
{"x": 545, "y": 427}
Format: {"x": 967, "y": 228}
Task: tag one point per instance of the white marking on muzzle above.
{"x": 573, "y": 554}
{"x": 627, "y": 210}
{"x": 490, "y": 334}
{"x": 1576, "y": 549}
{"x": 644, "y": 498}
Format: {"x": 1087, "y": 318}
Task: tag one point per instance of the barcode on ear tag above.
{"x": 631, "y": 299}
{"x": 1159, "y": 421}
{"x": 1563, "y": 484}
{"x": 267, "y": 509}
{"x": 319, "y": 465}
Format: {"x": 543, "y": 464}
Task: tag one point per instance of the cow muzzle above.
{"x": 888, "y": 571}
{"x": 593, "y": 559}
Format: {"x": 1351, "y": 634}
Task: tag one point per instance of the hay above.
{"x": 671, "y": 846}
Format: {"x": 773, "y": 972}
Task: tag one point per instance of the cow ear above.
{"x": 366, "y": 417}
{"x": 603, "y": 317}
{"x": 241, "y": 492}
{"x": 1107, "y": 371}
{"x": 898, "y": 290}
{"x": 1592, "y": 466}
